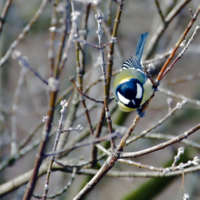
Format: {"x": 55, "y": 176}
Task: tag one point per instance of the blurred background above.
{"x": 138, "y": 17}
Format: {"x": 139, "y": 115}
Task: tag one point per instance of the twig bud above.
{"x": 53, "y": 84}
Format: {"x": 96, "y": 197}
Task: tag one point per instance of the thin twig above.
{"x": 4, "y": 13}
{"x": 177, "y": 80}
{"x": 54, "y": 87}
{"x": 29, "y": 136}
{"x": 20, "y": 83}
{"x": 24, "y": 178}
{"x": 23, "y": 151}
{"x": 182, "y": 52}
{"x": 161, "y": 145}
{"x": 160, "y": 136}
{"x": 74, "y": 19}
{"x": 83, "y": 94}
{"x": 52, "y": 30}
{"x": 63, "y": 111}
{"x": 179, "y": 96}
{"x": 160, "y": 11}
{"x": 182, "y": 38}
{"x": 53, "y": 196}
{"x": 132, "y": 127}
{"x": 161, "y": 121}
{"x": 24, "y": 63}
{"x": 140, "y": 165}
{"x": 69, "y": 121}
{"x": 75, "y": 102}
{"x": 99, "y": 18}
{"x": 24, "y": 32}
{"x": 65, "y": 29}
{"x": 161, "y": 29}
{"x": 82, "y": 144}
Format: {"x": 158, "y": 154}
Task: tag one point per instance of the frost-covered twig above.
{"x": 99, "y": 18}
{"x": 177, "y": 157}
{"x": 168, "y": 137}
{"x": 23, "y": 61}
{"x": 181, "y": 166}
{"x": 63, "y": 111}
{"x": 82, "y": 144}
{"x": 65, "y": 188}
{"x": 161, "y": 145}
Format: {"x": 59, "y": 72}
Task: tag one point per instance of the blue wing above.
{"x": 140, "y": 46}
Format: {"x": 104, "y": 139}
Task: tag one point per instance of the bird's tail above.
{"x": 134, "y": 61}
{"x": 140, "y": 46}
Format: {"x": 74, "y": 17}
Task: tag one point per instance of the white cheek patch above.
{"x": 139, "y": 91}
{"x": 123, "y": 99}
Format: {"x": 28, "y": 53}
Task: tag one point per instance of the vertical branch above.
{"x": 97, "y": 134}
{"x": 53, "y": 85}
{"x": 109, "y": 22}
{"x": 74, "y": 17}
{"x": 62, "y": 40}
{"x": 111, "y": 46}
{"x": 4, "y": 13}
{"x": 99, "y": 18}
{"x": 109, "y": 68}
{"x": 85, "y": 32}
{"x": 52, "y": 40}
{"x": 75, "y": 102}
{"x": 80, "y": 82}
{"x": 80, "y": 71}
{"x": 64, "y": 105}
{"x": 85, "y": 23}
{"x": 69, "y": 121}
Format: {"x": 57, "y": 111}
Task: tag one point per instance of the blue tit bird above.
{"x": 131, "y": 86}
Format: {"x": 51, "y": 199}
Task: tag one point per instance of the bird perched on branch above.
{"x": 132, "y": 88}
